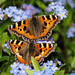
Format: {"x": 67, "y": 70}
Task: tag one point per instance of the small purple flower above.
{"x": 48, "y": 0}
{"x": 16, "y": 18}
{"x": 14, "y": 65}
{"x": 38, "y": 73}
{"x": 71, "y": 32}
{"x": 29, "y": 7}
{"x": 62, "y": 2}
{"x": 71, "y": 3}
{"x": 62, "y": 14}
{"x": 59, "y": 62}
{"x": 48, "y": 9}
{"x": 5, "y": 45}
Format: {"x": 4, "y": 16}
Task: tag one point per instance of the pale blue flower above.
{"x": 48, "y": 9}
{"x": 1, "y": 16}
{"x": 58, "y": 10}
{"x": 62, "y": 14}
{"x": 58, "y": 62}
{"x": 70, "y": 34}
{"x": 16, "y": 18}
{"x": 71, "y": 3}
{"x": 62, "y": 2}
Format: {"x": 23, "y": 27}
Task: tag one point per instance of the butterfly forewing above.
{"x": 35, "y": 28}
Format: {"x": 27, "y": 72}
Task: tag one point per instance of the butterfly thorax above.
{"x": 35, "y": 27}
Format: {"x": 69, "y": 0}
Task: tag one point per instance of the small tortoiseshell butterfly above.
{"x": 35, "y": 28}
{"x": 23, "y": 51}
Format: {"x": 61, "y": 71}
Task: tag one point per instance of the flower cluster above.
{"x": 19, "y": 69}
{"x": 58, "y": 9}
{"x": 71, "y": 32}
{"x": 18, "y": 14}
{"x": 1, "y": 14}
{"x": 50, "y": 68}
{"x": 48, "y": 0}
{"x": 5, "y": 47}
{"x": 30, "y": 9}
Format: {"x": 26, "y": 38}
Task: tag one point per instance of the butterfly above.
{"x": 23, "y": 50}
{"x": 35, "y": 28}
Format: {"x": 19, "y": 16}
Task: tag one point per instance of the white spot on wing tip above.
{"x": 51, "y": 44}
{"x": 10, "y": 40}
{"x": 11, "y": 26}
{"x": 55, "y": 16}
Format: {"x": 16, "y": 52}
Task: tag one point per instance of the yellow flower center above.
{"x": 61, "y": 14}
{"x": 38, "y": 73}
{"x": 20, "y": 66}
{"x": 25, "y": 68}
{"x": 49, "y": 63}
{"x": 13, "y": 9}
{"x": 15, "y": 70}
{"x": 23, "y": 71}
{"x": 53, "y": 68}
{"x": 14, "y": 65}
{"x": 23, "y": 16}
{"x": 19, "y": 12}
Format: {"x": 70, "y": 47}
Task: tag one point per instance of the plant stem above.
{"x": 8, "y": 63}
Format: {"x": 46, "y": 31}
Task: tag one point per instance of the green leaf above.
{"x": 41, "y": 4}
{"x": 66, "y": 74}
{"x": 61, "y": 72}
{"x": 68, "y": 20}
{"x": 55, "y": 36}
{"x": 4, "y": 38}
{"x": 0, "y": 52}
{"x": 57, "y": 72}
{"x": 13, "y": 36}
{"x": 35, "y": 64}
{"x": 72, "y": 62}
{"x": 42, "y": 68}
{"x": 4, "y": 58}
{"x": 29, "y": 72}
{"x": 4, "y": 73}
{"x": 2, "y": 1}
{"x": 4, "y": 25}
{"x": 9, "y": 68}
{"x": 8, "y": 51}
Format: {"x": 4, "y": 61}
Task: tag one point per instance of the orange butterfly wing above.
{"x": 46, "y": 48}
{"x": 21, "y": 28}
{"x": 49, "y": 21}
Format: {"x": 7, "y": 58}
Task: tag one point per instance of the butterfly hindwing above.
{"x": 46, "y": 48}
{"x": 16, "y": 45}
